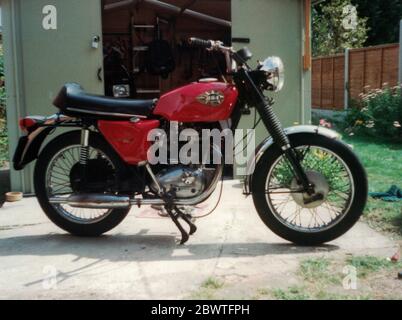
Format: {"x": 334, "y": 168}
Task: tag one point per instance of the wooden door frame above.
{"x": 307, "y": 60}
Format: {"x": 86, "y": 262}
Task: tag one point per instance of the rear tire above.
{"x": 357, "y": 205}
{"x": 109, "y": 222}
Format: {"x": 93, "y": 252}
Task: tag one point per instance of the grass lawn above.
{"x": 322, "y": 278}
{"x": 383, "y": 162}
{"x": 318, "y": 278}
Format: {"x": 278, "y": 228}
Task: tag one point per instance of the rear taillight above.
{"x": 27, "y": 125}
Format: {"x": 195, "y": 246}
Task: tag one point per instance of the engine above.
{"x": 188, "y": 181}
{"x": 184, "y": 182}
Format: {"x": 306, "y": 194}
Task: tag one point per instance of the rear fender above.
{"x": 30, "y": 145}
{"x": 28, "y": 148}
{"x": 268, "y": 144}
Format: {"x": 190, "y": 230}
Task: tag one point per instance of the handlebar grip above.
{"x": 196, "y": 42}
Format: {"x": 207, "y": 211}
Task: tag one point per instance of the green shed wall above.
{"x": 276, "y": 28}
{"x": 39, "y": 61}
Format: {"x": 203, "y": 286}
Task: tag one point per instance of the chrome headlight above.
{"x": 121, "y": 91}
{"x": 275, "y": 70}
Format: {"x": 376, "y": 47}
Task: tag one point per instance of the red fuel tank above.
{"x": 198, "y": 102}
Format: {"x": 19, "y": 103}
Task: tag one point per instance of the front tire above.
{"x": 296, "y": 232}
{"x": 58, "y": 214}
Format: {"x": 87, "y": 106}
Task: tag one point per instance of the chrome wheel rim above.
{"x": 284, "y": 200}
{"x": 58, "y": 184}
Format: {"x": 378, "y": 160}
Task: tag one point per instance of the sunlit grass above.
{"x": 383, "y": 162}
{"x": 367, "y": 265}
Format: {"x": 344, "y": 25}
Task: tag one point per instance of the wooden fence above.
{"x": 368, "y": 68}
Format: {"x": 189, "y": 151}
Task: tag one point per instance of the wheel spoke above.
{"x": 286, "y": 202}
{"x": 59, "y": 184}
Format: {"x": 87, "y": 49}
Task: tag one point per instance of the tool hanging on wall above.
{"x": 160, "y": 59}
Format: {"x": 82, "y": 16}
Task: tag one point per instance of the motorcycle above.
{"x": 307, "y": 185}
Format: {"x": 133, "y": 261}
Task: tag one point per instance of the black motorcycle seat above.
{"x": 72, "y": 100}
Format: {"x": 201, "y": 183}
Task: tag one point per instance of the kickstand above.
{"x": 175, "y": 214}
{"x": 187, "y": 219}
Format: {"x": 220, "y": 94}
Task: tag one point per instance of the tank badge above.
{"x": 211, "y": 98}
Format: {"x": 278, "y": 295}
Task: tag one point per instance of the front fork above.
{"x": 275, "y": 129}
{"x": 274, "y": 126}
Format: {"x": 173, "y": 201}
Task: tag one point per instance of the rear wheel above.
{"x": 57, "y": 174}
{"x": 337, "y": 175}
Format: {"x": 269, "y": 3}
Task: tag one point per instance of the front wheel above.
{"x": 337, "y": 175}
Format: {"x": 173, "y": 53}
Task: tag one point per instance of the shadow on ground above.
{"x": 141, "y": 247}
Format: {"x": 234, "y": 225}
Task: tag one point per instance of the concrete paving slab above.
{"x": 141, "y": 260}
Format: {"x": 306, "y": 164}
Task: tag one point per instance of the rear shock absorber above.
{"x": 84, "y": 153}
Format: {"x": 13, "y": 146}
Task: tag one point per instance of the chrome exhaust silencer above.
{"x": 94, "y": 201}
{"x": 109, "y": 201}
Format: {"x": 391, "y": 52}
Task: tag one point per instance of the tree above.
{"x": 383, "y": 20}
{"x": 337, "y": 26}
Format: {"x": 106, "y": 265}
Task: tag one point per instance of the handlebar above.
{"x": 196, "y": 42}
{"x": 210, "y": 45}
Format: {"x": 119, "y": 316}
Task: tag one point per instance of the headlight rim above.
{"x": 274, "y": 68}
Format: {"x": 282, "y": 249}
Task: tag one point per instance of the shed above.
{"x": 50, "y": 42}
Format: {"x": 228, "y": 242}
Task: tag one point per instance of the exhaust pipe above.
{"x": 105, "y": 201}
{"x": 94, "y": 201}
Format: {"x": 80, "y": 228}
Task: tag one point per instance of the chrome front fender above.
{"x": 269, "y": 142}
